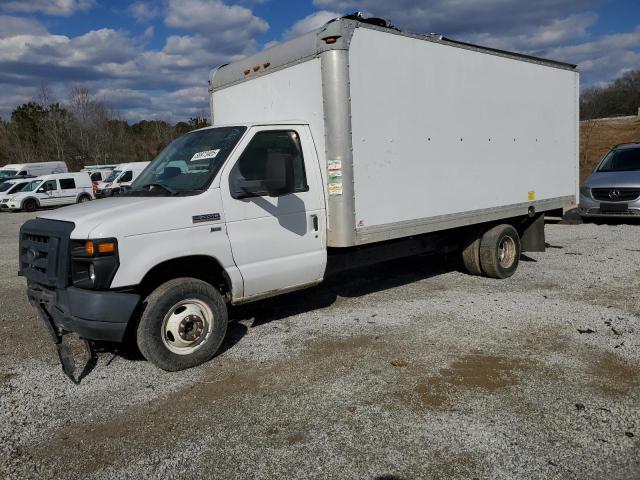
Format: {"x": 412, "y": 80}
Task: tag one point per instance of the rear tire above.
{"x": 84, "y": 199}
{"x": 471, "y": 255}
{"x": 500, "y": 251}
{"x": 183, "y": 324}
{"x": 30, "y": 205}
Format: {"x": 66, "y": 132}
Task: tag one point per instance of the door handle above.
{"x": 314, "y": 218}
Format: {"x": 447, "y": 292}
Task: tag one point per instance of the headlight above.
{"x": 94, "y": 263}
{"x": 586, "y": 191}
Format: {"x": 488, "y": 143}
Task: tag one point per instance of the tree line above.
{"x": 85, "y": 130}
{"x": 622, "y": 97}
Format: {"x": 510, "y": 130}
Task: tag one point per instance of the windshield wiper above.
{"x": 163, "y": 186}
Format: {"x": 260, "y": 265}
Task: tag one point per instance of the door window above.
{"x": 272, "y": 164}
{"x": 96, "y": 177}
{"x": 126, "y": 177}
{"x": 67, "y": 183}
{"x": 50, "y": 185}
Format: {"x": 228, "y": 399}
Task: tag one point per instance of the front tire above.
{"x": 500, "y": 251}
{"x": 183, "y": 324}
{"x": 30, "y": 205}
{"x": 84, "y": 199}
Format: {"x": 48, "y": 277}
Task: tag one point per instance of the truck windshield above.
{"x": 112, "y": 177}
{"x": 189, "y": 163}
{"x": 8, "y": 173}
{"x": 621, "y": 161}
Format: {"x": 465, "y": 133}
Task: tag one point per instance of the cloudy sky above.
{"x": 150, "y": 59}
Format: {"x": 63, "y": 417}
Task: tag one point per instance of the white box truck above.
{"x": 353, "y": 144}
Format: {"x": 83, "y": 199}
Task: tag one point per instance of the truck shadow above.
{"x": 351, "y": 284}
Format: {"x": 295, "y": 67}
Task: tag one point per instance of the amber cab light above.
{"x": 330, "y": 40}
{"x": 90, "y": 248}
{"x": 107, "y": 247}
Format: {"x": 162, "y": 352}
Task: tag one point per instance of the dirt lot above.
{"x": 404, "y": 370}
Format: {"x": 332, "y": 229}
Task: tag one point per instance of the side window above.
{"x": 272, "y": 164}
{"x": 50, "y": 185}
{"x": 23, "y": 173}
{"x": 67, "y": 183}
{"x": 96, "y": 177}
{"x": 126, "y": 177}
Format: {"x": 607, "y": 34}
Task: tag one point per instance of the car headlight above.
{"x": 94, "y": 263}
{"x": 586, "y": 191}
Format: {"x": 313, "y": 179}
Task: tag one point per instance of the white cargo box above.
{"x": 415, "y": 133}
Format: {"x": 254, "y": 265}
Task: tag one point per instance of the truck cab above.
{"x": 239, "y": 213}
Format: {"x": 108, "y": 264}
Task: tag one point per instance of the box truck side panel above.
{"x": 293, "y": 93}
{"x": 439, "y": 131}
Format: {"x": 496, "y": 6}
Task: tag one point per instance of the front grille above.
{"x": 44, "y": 252}
{"x": 615, "y": 194}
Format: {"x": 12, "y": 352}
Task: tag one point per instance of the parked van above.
{"x": 121, "y": 176}
{"x": 98, "y": 173}
{"x": 51, "y": 191}
{"x": 9, "y": 187}
{"x": 32, "y": 169}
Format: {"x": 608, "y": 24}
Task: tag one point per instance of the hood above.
{"x": 128, "y": 216}
{"x": 613, "y": 179}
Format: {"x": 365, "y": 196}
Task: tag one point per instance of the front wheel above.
{"x": 30, "y": 205}
{"x": 183, "y": 324}
{"x": 84, "y": 199}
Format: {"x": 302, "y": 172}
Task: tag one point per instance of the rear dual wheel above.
{"x": 494, "y": 254}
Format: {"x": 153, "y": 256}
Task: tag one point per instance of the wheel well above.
{"x": 202, "y": 267}
{"x": 30, "y": 198}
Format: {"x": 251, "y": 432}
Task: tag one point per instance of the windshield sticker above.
{"x": 335, "y": 175}
{"x": 204, "y": 155}
{"x": 334, "y": 166}
{"x": 335, "y": 189}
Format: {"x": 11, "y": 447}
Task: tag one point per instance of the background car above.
{"x": 613, "y": 189}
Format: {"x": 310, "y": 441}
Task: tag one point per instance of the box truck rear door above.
{"x": 274, "y": 209}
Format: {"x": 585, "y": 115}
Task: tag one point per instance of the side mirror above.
{"x": 247, "y": 188}
{"x": 41, "y": 190}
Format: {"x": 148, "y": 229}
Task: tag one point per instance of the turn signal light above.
{"x": 107, "y": 247}
{"x": 92, "y": 248}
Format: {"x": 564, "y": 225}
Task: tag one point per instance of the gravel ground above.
{"x": 403, "y": 370}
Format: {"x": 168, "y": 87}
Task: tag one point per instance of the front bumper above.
{"x": 93, "y": 315}
{"x": 589, "y": 207}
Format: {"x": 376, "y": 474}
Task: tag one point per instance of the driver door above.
{"x": 277, "y": 237}
{"x": 50, "y": 193}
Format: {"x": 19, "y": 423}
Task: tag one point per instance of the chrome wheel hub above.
{"x": 187, "y": 326}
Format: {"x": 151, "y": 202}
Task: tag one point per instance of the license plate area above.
{"x": 614, "y": 207}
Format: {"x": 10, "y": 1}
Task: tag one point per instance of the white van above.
{"x": 51, "y": 191}
{"x": 9, "y": 187}
{"x": 98, "y": 173}
{"x": 121, "y": 176}
{"x": 33, "y": 169}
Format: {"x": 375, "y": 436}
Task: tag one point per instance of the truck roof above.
{"x": 340, "y": 31}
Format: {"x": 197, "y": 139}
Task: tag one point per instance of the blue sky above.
{"x": 150, "y": 59}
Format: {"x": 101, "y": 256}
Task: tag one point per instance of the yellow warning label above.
{"x": 532, "y": 195}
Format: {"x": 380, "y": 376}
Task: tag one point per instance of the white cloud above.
{"x": 48, "y": 7}
{"x": 144, "y": 11}
{"x": 309, "y": 23}
{"x": 120, "y": 67}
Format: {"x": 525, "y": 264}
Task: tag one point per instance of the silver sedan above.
{"x": 613, "y": 189}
